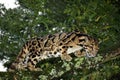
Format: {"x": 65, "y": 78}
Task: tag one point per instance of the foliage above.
{"x": 98, "y": 18}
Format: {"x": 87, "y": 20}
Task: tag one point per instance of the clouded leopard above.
{"x": 56, "y": 45}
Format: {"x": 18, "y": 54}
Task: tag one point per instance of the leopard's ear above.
{"x": 79, "y": 31}
{"x": 76, "y": 30}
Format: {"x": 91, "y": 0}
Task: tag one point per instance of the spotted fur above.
{"x": 57, "y": 45}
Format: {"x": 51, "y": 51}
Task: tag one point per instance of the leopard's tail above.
{"x": 18, "y": 64}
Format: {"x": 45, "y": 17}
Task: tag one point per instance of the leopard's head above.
{"x": 89, "y": 44}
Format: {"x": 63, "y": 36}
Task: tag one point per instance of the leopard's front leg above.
{"x": 64, "y": 55}
{"x": 79, "y": 53}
